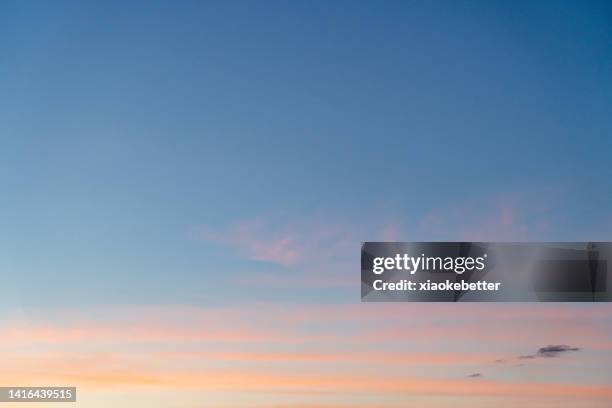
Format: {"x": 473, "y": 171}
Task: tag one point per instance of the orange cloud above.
{"x": 243, "y": 381}
{"x": 306, "y": 349}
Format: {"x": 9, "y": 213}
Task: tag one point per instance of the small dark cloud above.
{"x": 475, "y": 375}
{"x": 554, "y": 351}
{"x": 500, "y": 361}
{"x": 550, "y": 351}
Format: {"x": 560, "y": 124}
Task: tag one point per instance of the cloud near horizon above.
{"x": 161, "y": 345}
{"x": 550, "y": 351}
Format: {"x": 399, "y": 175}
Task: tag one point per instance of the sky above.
{"x": 185, "y": 187}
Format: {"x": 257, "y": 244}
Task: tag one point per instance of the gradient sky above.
{"x": 185, "y": 186}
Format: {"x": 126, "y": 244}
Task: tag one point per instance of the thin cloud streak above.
{"x": 241, "y": 381}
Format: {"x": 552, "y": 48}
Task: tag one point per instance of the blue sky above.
{"x": 184, "y": 187}
{"x": 127, "y": 129}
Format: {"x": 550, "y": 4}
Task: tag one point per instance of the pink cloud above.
{"x": 273, "y": 323}
{"x": 314, "y": 241}
{"x": 258, "y": 243}
{"x": 506, "y": 217}
{"x": 316, "y": 253}
{"x": 391, "y": 232}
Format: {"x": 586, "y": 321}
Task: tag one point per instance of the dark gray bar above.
{"x": 37, "y": 394}
{"x": 485, "y": 272}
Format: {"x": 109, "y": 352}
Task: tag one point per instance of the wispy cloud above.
{"x": 550, "y": 351}
{"x": 319, "y": 252}
{"x": 255, "y": 240}
{"x": 326, "y": 241}
{"x": 512, "y": 216}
